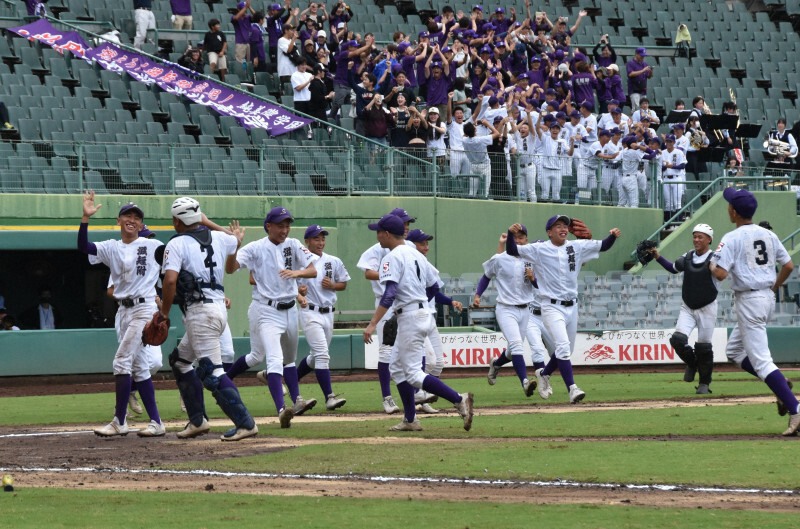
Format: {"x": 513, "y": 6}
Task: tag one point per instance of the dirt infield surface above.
{"x": 72, "y": 457}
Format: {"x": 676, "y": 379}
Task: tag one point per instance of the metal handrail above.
{"x": 791, "y": 237}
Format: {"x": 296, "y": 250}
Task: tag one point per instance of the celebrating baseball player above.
{"x": 699, "y": 307}
{"x": 514, "y": 277}
{"x": 408, "y": 284}
{"x": 276, "y": 262}
{"x": 317, "y": 301}
{"x": 748, "y": 256}
{"x": 134, "y": 272}
{"x": 193, "y": 277}
{"x": 556, "y": 264}
{"x": 370, "y": 262}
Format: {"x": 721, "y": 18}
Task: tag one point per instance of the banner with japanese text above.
{"x": 249, "y": 111}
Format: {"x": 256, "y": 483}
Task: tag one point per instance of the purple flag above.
{"x": 249, "y": 111}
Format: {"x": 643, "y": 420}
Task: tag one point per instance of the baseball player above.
{"x": 553, "y": 150}
{"x": 276, "y": 262}
{"x": 556, "y": 264}
{"x": 193, "y": 277}
{"x": 134, "y": 272}
{"x": 525, "y": 147}
{"x": 317, "y": 300}
{"x": 699, "y": 307}
{"x": 610, "y": 174}
{"x": 370, "y": 262}
{"x": 748, "y": 256}
{"x": 433, "y": 343}
{"x": 673, "y": 165}
{"x": 514, "y": 294}
{"x": 632, "y": 158}
{"x": 408, "y": 284}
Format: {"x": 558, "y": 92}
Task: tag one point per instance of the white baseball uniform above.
{"x": 610, "y": 174}
{"x": 587, "y": 170}
{"x": 514, "y": 293}
{"x": 526, "y": 149}
{"x": 371, "y": 260}
{"x": 629, "y": 185}
{"x": 554, "y": 154}
{"x": 704, "y": 318}
{"x": 673, "y": 188}
{"x": 152, "y": 353}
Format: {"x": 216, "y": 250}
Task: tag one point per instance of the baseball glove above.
{"x": 390, "y": 330}
{"x": 579, "y": 229}
{"x": 156, "y": 330}
{"x": 643, "y": 253}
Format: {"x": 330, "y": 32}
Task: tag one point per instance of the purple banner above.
{"x": 249, "y": 111}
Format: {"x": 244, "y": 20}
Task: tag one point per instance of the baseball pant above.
{"x": 204, "y": 323}
{"x": 635, "y": 98}
{"x": 340, "y": 94}
{"x": 226, "y": 345}
{"x": 644, "y": 184}
{"x": 152, "y": 355}
{"x": 145, "y": 19}
{"x": 513, "y": 322}
{"x": 485, "y": 170}
{"x": 704, "y": 318}
{"x": 527, "y": 175}
{"x": 318, "y": 329}
{"x": 459, "y": 163}
{"x": 130, "y": 358}
{"x": 587, "y": 176}
{"x": 609, "y": 180}
{"x": 551, "y": 184}
{"x": 384, "y": 351}
{"x": 561, "y": 324}
{"x": 434, "y": 354}
{"x": 628, "y": 192}
{"x": 672, "y": 193}
{"x": 538, "y": 339}
{"x": 273, "y": 335}
{"x": 413, "y": 326}
{"x": 749, "y": 336}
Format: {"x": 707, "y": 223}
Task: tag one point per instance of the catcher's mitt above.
{"x": 156, "y": 330}
{"x": 579, "y": 229}
{"x": 643, "y": 253}
{"x": 390, "y": 330}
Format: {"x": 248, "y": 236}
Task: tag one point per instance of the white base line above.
{"x": 44, "y": 434}
{"x": 395, "y": 479}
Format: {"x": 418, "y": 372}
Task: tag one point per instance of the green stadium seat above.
{"x": 286, "y": 185}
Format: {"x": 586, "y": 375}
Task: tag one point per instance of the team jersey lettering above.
{"x": 141, "y": 261}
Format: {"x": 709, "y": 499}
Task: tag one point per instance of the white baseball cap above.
{"x": 704, "y": 228}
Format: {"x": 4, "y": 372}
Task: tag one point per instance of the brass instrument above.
{"x": 779, "y": 148}
{"x": 696, "y": 140}
{"x": 717, "y": 134}
{"x": 733, "y": 100}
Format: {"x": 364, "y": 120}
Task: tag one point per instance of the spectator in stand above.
{"x": 301, "y": 79}
{"x": 192, "y": 59}
{"x": 341, "y": 13}
{"x": 417, "y": 131}
{"x": 409, "y": 57}
{"x": 144, "y": 18}
{"x": 4, "y": 119}
{"x": 307, "y": 31}
{"x": 397, "y": 87}
{"x": 603, "y": 90}
{"x": 181, "y": 14}
{"x": 315, "y": 12}
{"x": 398, "y": 136}
{"x": 320, "y": 43}
{"x": 43, "y": 315}
{"x": 437, "y": 75}
{"x": 437, "y": 150}
{"x": 216, "y": 45}
{"x": 275, "y": 22}
{"x": 644, "y": 111}
{"x": 459, "y": 164}
{"x": 638, "y": 74}
{"x": 561, "y": 35}
{"x": 584, "y": 84}
{"x": 257, "y": 52}
{"x": 286, "y": 47}
{"x": 35, "y": 8}
{"x": 309, "y": 53}
{"x": 241, "y": 31}
{"x": 365, "y": 92}
{"x": 606, "y": 56}
{"x": 341, "y": 84}
{"x": 614, "y": 84}
{"x": 499, "y": 20}
{"x": 376, "y": 123}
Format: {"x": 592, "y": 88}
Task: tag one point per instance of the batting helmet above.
{"x": 704, "y": 228}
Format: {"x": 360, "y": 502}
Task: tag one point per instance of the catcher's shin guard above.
{"x": 227, "y": 397}
{"x": 188, "y": 384}
{"x": 679, "y": 342}
{"x": 705, "y": 361}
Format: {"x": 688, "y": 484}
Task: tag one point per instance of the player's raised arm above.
{"x": 231, "y": 264}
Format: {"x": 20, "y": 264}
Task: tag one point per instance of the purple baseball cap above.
{"x": 500, "y": 10}
{"x": 615, "y": 110}
{"x": 478, "y": 7}
{"x": 488, "y": 88}
{"x": 424, "y": 35}
{"x": 523, "y": 76}
{"x": 561, "y": 115}
{"x": 536, "y": 58}
{"x": 555, "y": 218}
{"x": 524, "y": 229}
{"x": 615, "y": 131}
{"x": 488, "y": 26}
{"x": 613, "y": 102}
{"x": 274, "y": 7}
{"x": 604, "y": 132}
{"x": 578, "y": 56}
{"x": 641, "y": 51}
{"x": 446, "y": 49}
{"x": 551, "y": 92}
{"x": 627, "y": 140}
{"x": 403, "y": 214}
{"x": 391, "y": 223}
{"x": 742, "y": 201}
{"x": 131, "y": 207}
{"x": 240, "y": 5}
{"x": 494, "y": 70}
{"x": 501, "y": 44}
{"x": 588, "y": 106}
{"x": 486, "y": 49}
{"x": 575, "y": 114}
{"x": 497, "y": 119}
{"x": 550, "y": 118}
{"x": 314, "y": 230}
{"x": 402, "y": 47}
{"x": 436, "y": 64}
{"x": 278, "y": 214}
{"x": 145, "y": 232}
{"x": 418, "y": 236}
{"x": 553, "y": 124}
{"x": 679, "y": 126}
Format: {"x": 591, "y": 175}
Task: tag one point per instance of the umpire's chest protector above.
{"x": 698, "y": 286}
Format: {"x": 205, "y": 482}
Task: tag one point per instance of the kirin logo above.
{"x": 599, "y": 353}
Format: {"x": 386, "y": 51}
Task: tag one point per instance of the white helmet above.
{"x": 704, "y": 228}
{"x": 187, "y": 210}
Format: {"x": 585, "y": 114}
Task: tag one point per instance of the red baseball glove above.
{"x": 156, "y": 330}
{"x": 579, "y": 229}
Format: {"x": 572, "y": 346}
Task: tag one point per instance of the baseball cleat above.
{"x": 781, "y": 407}
{"x": 528, "y": 386}
{"x": 333, "y": 402}
{"x": 113, "y": 428}
{"x": 576, "y": 394}
{"x": 406, "y": 426}
{"x": 235, "y": 434}
{"x": 423, "y": 397}
{"x": 794, "y": 425}
{"x": 302, "y": 405}
{"x": 464, "y": 409}
{"x": 543, "y": 384}
{"x": 688, "y": 375}
{"x": 389, "y": 406}
{"x": 261, "y": 376}
{"x": 154, "y": 429}
{"x": 703, "y": 389}
{"x": 493, "y": 371}
{"x": 194, "y": 431}
{"x": 285, "y": 416}
{"x": 133, "y": 404}
{"x": 426, "y": 408}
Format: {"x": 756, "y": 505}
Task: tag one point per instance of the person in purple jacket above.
{"x": 257, "y": 52}
{"x": 275, "y": 21}
{"x": 537, "y": 75}
{"x": 605, "y": 56}
{"x": 341, "y": 86}
{"x": 584, "y": 84}
{"x": 638, "y": 74}
{"x": 241, "y": 30}
{"x": 438, "y": 77}
{"x": 501, "y": 23}
{"x": 340, "y": 12}
{"x": 614, "y": 83}
{"x": 182, "y": 11}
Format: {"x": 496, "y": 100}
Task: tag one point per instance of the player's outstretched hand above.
{"x": 457, "y": 305}
{"x": 368, "y": 332}
{"x": 515, "y": 228}
{"x": 476, "y": 301}
{"x": 503, "y": 237}
{"x": 89, "y": 207}
{"x": 615, "y": 232}
{"x": 236, "y": 231}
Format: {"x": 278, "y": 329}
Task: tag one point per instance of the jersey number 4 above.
{"x": 209, "y": 260}
{"x": 762, "y": 257}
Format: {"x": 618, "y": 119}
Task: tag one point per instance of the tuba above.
{"x": 778, "y": 148}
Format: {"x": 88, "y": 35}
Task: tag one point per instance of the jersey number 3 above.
{"x": 761, "y": 252}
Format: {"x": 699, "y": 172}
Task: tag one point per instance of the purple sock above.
{"x": 123, "y": 383}
{"x": 385, "y": 379}
{"x": 226, "y": 365}
{"x": 551, "y": 366}
{"x": 324, "y": 379}
{"x": 198, "y": 386}
{"x": 433, "y": 385}
{"x": 747, "y": 366}
{"x": 519, "y": 367}
{"x": 565, "y": 368}
{"x": 276, "y": 390}
{"x": 226, "y": 382}
{"x": 303, "y": 369}
{"x": 777, "y": 383}
{"x": 538, "y": 365}
{"x": 148, "y": 394}
{"x": 238, "y": 367}
{"x": 501, "y": 360}
{"x": 406, "y": 391}
{"x": 290, "y": 377}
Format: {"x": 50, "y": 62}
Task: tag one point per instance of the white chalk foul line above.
{"x": 663, "y": 487}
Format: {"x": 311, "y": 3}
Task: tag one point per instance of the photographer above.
{"x": 606, "y": 56}
{"x": 560, "y": 34}
{"x": 192, "y": 59}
